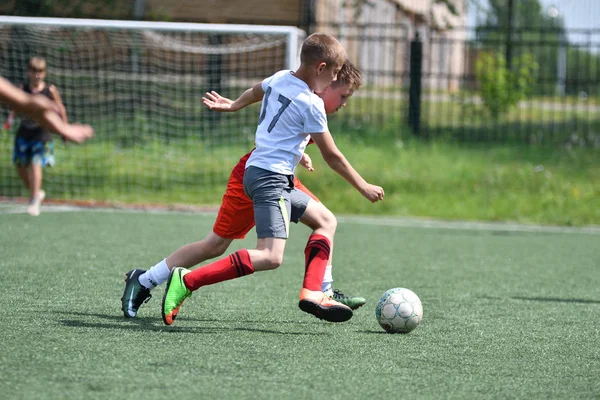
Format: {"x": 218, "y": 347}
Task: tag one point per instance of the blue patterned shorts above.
{"x": 27, "y": 152}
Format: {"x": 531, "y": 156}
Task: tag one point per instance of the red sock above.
{"x": 316, "y": 255}
{"x": 233, "y": 266}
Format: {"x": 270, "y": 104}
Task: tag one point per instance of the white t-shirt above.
{"x": 289, "y": 113}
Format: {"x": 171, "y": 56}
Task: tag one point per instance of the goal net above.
{"x": 140, "y": 85}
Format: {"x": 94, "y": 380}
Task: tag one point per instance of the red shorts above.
{"x": 236, "y": 215}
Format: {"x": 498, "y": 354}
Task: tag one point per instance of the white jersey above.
{"x": 290, "y": 112}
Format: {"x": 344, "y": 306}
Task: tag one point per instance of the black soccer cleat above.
{"x": 135, "y": 294}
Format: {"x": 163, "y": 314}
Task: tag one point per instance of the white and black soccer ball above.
{"x": 399, "y": 310}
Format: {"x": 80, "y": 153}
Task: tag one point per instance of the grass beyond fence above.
{"x": 449, "y": 177}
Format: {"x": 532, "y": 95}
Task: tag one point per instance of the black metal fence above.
{"x": 541, "y": 86}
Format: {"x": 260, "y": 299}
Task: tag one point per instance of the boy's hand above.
{"x": 77, "y": 133}
{"x": 373, "y": 193}
{"x": 214, "y": 101}
{"x": 306, "y": 162}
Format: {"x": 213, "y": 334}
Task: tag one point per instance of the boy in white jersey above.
{"x": 291, "y": 114}
{"x": 236, "y": 215}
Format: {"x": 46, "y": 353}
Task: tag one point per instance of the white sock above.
{"x": 155, "y": 276}
{"x": 327, "y": 279}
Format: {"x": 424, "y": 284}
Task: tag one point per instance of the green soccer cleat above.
{"x": 135, "y": 294}
{"x": 174, "y": 295}
{"x": 351, "y": 301}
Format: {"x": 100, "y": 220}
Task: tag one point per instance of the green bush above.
{"x": 502, "y": 88}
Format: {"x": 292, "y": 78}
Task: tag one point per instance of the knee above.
{"x": 329, "y": 221}
{"x": 215, "y": 246}
{"x": 218, "y": 249}
{"x": 334, "y": 221}
{"x": 273, "y": 260}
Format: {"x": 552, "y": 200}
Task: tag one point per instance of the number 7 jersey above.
{"x": 290, "y": 113}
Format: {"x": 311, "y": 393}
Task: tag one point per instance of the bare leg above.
{"x": 35, "y": 180}
{"x": 24, "y": 175}
{"x": 322, "y": 221}
{"x": 186, "y": 256}
{"x": 268, "y": 253}
{"x": 192, "y": 254}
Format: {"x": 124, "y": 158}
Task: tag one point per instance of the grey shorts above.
{"x": 276, "y": 201}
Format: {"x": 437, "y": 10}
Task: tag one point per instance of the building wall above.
{"x": 286, "y": 12}
{"x": 7, "y": 7}
{"x": 377, "y": 36}
{"x": 378, "y": 39}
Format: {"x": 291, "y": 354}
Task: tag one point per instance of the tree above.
{"x": 532, "y": 31}
{"x": 500, "y": 88}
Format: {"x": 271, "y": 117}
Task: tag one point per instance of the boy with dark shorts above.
{"x": 236, "y": 215}
{"x": 290, "y": 116}
{"x": 33, "y": 149}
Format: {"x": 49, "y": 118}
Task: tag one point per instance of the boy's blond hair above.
{"x": 321, "y": 47}
{"x": 37, "y": 64}
{"x": 349, "y": 75}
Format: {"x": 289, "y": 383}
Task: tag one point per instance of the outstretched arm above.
{"x": 214, "y": 101}
{"x": 58, "y": 101}
{"x": 43, "y": 110}
{"x": 14, "y": 97}
{"x": 337, "y": 162}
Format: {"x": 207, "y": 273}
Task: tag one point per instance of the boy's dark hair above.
{"x": 321, "y": 47}
{"x": 349, "y": 75}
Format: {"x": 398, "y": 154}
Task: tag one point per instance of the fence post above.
{"x": 509, "y": 31}
{"x": 414, "y": 94}
{"x": 214, "y": 69}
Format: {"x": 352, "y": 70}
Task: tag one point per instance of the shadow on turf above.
{"x": 382, "y": 332}
{"x": 557, "y": 300}
{"x": 155, "y": 324}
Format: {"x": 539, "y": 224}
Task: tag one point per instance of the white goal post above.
{"x": 140, "y": 85}
{"x": 292, "y": 34}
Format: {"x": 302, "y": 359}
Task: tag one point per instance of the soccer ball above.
{"x": 399, "y": 310}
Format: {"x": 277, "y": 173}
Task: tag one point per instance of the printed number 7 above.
{"x": 285, "y": 102}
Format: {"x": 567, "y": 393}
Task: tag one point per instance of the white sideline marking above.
{"x": 467, "y": 225}
{"x": 14, "y": 208}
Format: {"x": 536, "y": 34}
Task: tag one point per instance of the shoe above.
{"x": 174, "y": 295}
{"x": 33, "y": 208}
{"x": 321, "y": 306}
{"x": 135, "y": 294}
{"x": 354, "y": 302}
